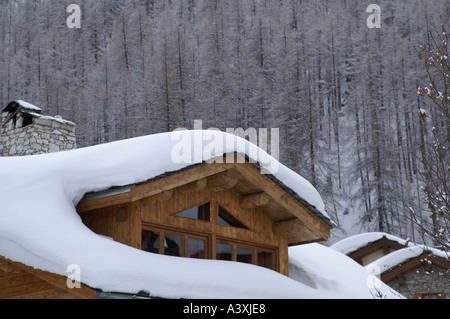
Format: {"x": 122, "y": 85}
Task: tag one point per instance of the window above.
{"x": 198, "y": 213}
{"x": 244, "y": 255}
{"x": 225, "y": 218}
{"x": 184, "y": 238}
{"x": 224, "y": 252}
{"x": 150, "y": 241}
{"x": 196, "y": 248}
{"x": 174, "y": 244}
{"x": 265, "y": 259}
{"x": 241, "y": 253}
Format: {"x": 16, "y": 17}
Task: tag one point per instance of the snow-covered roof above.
{"x": 39, "y": 225}
{"x": 353, "y": 243}
{"x": 327, "y": 270}
{"x": 24, "y": 106}
{"x": 396, "y": 258}
{"x": 401, "y": 256}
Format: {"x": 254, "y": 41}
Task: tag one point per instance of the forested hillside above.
{"x": 343, "y": 95}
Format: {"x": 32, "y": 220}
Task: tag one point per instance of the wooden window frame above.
{"x": 254, "y": 248}
{"x": 210, "y": 244}
{"x": 196, "y": 219}
{"x": 185, "y": 235}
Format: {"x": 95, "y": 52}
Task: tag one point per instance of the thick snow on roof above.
{"x": 40, "y": 227}
{"x": 28, "y": 106}
{"x": 52, "y": 118}
{"x": 353, "y": 243}
{"x": 325, "y": 269}
{"x": 395, "y": 258}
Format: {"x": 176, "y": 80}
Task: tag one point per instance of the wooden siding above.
{"x": 273, "y": 218}
{"x": 124, "y": 222}
{"x": 18, "y": 281}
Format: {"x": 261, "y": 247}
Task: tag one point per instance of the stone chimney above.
{"x": 25, "y": 131}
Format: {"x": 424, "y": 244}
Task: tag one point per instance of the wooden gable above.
{"x": 424, "y": 260}
{"x": 272, "y": 217}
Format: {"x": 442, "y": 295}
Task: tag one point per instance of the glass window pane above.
{"x": 173, "y": 245}
{"x": 198, "y": 213}
{"x": 224, "y": 252}
{"x": 225, "y": 218}
{"x": 265, "y": 259}
{"x": 244, "y": 255}
{"x": 196, "y": 248}
{"x": 150, "y": 241}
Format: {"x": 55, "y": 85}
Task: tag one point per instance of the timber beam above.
{"x": 224, "y": 181}
{"x": 255, "y": 200}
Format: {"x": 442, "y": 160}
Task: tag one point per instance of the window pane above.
{"x": 196, "y": 248}
{"x": 224, "y": 252}
{"x": 244, "y": 255}
{"x": 265, "y": 259}
{"x": 225, "y": 218}
{"x": 198, "y": 213}
{"x": 150, "y": 241}
{"x": 173, "y": 245}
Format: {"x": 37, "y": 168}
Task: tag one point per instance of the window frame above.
{"x": 210, "y": 244}
{"x": 185, "y": 235}
{"x": 254, "y": 248}
{"x": 209, "y": 214}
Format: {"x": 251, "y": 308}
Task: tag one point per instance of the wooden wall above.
{"x": 124, "y": 222}
{"x": 16, "y": 283}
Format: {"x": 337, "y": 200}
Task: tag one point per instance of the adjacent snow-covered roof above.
{"x": 40, "y": 227}
{"x": 353, "y": 243}
{"x": 396, "y": 258}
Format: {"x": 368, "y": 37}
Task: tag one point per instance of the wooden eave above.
{"x": 57, "y": 281}
{"x": 382, "y": 243}
{"x": 290, "y": 216}
{"x": 413, "y": 264}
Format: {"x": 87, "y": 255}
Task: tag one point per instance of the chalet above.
{"x": 211, "y": 211}
{"x": 413, "y": 270}
{"x": 132, "y": 205}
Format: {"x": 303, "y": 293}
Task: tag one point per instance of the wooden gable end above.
{"x": 424, "y": 260}
{"x": 273, "y": 219}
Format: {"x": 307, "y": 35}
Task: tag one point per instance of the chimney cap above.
{"x": 19, "y": 105}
